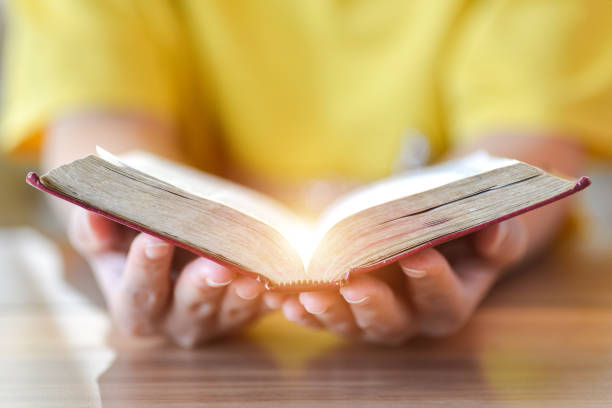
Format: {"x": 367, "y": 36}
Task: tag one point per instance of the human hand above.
{"x": 153, "y": 288}
{"x": 431, "y": 293}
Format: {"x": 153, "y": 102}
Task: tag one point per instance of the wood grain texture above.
{"x": 533, "y": 344}
{"x": 542, "y": 339}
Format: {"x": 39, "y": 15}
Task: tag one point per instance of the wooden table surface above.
{"x": 543, "y": 338}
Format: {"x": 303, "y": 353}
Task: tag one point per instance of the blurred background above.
{"x": 19, "y": 205}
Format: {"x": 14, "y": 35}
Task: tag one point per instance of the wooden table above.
{"x": 542, "y": 339}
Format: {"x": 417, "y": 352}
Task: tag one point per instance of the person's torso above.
{"x": 320, "y": 89}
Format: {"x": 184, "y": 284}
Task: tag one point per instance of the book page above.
{"x": 405, "y": 185}
{"x": 256, "y": 205}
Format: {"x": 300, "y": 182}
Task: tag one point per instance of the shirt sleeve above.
{"x": 532, "y": 65}
{"x": 70, "y": 55}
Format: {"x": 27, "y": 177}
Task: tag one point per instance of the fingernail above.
{"x": 356, "y": 301}
{"x": 247, "y": 297}
{"x": 247, "y": 293}
{"x": 415, "y": 273}
{"x": 214, "y": 284}
{"x": 292, "y": 315}
{"x": 309, "y": 308}
{"x": 272, "y": 303}
{"x": 156, "y": 250}
{"x": 203, "y": 281}
{"x": 314, "y": 311}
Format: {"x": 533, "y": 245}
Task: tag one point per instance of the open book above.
{"x": 243, "y": 229}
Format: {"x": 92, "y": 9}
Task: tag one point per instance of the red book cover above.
{"x": 33, "y": 179}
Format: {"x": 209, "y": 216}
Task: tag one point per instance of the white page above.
{"x": 256, "y": 205}
{"x": 409, "y": 184}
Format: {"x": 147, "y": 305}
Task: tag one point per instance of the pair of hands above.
{"x": 153, "y": 288}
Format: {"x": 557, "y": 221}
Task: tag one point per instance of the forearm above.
{"x": 75, "y": 136}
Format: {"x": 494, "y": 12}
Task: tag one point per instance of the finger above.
{"x": 295, "y": 312}
{"x": 442, "y": 298}
{"x": 477, "y": 277}
{"x": 90, "y": 233}
{"x": 102, "y": 242}
{"x": 504, "y": 243}
{"x": 145, "y": 285}
{"x": 197, "y": 295}
{"x": 274, "y": 300}
{"x": 457, "y": 249}
{"x": 107, "y": 268}
{"x": 240, "y": 304}
{"x": 330, "y": 309}
{"x": 378, "y": 312}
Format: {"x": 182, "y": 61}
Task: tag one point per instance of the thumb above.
{"x": 90, "y": 233}
{"x": 504, "y": 243}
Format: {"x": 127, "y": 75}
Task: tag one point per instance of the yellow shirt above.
{"x": 317, "y": 88}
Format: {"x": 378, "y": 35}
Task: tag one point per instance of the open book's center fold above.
{"x": 302, "y": 235}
